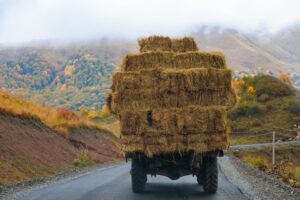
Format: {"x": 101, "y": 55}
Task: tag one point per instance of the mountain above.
{"x": 70, "y": 76}
{"x": 276, "y": 52}
{"x": 78, "y": 75}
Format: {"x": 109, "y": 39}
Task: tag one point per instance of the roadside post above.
{"x": 273, "y": 151}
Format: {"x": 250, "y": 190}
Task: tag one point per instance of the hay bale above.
{"x": 172, "y": 80}
{"x": 158, "y": 60}
{"x": 222, "y": 97}
{"x": 174, "y": 121}
{"x": 151, "y": 100}
{"x": 161, "y": 43}
{"x": 155, "y": 43}
{"x": 184, "y": 44}
{"x": 177, "y": 143}
{"x": 143, "y": 100}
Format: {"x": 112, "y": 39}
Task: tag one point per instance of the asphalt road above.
{"x": 115, "y": 183}
{"x": 263, "y": 145}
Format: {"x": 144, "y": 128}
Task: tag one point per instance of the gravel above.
{"x": 256, "y": 184}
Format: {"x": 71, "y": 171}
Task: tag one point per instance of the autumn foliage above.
{"x": 61, "y": 120}
{"x": 66, "y": 114}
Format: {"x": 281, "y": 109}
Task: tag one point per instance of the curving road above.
{"x": 115, "y": 183}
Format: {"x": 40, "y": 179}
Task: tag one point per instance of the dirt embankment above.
{"x": 29, "y": 149}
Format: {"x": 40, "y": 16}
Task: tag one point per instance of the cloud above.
{"x": 28, "y": 20}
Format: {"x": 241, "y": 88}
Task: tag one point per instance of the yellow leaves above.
{"x": 104, "y": 112}
{"x": 238, "y": 85}
{"x": 83, "y": 112}
{"x": 251, "y": 90}
{"x": 69, "y": 70}
{"x": 92, "y": 114}
{"x": 285, "y": 78}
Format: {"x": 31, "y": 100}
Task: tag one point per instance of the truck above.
{"x": 172, "y": 102}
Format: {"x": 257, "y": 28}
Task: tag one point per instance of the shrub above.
{"x": 249, "y": 97}
{"x": 247, "y": 108}
{"x": 258, "y": 162}
{"x": 66, "y": 114}
{"x": 263, "y": 98}
{"x": 269, "y": 85}
{"x": 83, "y": 160}
{"x": 292, "y": 105}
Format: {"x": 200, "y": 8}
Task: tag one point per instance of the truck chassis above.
{"x": 175, "y": 165}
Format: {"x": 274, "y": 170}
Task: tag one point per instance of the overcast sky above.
{"x": 31, "y": 20}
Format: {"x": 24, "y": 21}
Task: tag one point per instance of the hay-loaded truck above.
{"x": 172, "y": 100}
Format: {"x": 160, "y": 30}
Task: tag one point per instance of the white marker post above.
{"x": 273, "y": 151}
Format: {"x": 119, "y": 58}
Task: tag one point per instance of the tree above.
{"x": 238, "y": 85}
{"x": 83, "y": 112}
{"x": 92, "y": 114}
{"x": 104, "y": 112}
{"x": 251, "y": 90}
{"x": 285, "y": 78}
{"x": 69, "y": 70}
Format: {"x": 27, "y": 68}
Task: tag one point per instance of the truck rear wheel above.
{"x": 138, "y": 176}
{"x": 200, "y": 178}
{"x": 210, "y": 183}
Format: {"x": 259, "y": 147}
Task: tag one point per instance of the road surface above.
{"x": 115, "y": 183}
{"x": 262, "y": 145}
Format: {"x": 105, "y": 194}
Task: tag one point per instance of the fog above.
{"x": 73, "y": 20}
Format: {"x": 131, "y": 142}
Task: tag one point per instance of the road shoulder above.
{"x": 254, "y": 183}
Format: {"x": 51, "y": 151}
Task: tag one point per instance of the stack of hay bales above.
{"x": 172, "y": 98}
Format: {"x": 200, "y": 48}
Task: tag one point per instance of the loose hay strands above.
{"x": 161, "y": 43}
{"x": 172, "y": 80}
{"x": 158, "y": 60}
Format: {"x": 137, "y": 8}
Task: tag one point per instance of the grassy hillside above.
{"x": 37, "y": 141}
{"x": 265, "y": 104}
{"x": 60, "y": 120}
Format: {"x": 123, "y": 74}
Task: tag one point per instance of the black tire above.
{"x": 200, "y": 177}
{"x": 138, "y": 176}
{"x": 210, "y": 184}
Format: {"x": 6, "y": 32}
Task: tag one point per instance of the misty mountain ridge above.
{"x": 78, "y": 74}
